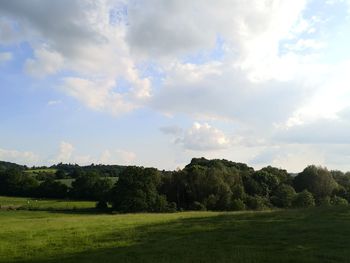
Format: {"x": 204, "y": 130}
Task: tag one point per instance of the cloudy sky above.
{"x": 158, "y": 82}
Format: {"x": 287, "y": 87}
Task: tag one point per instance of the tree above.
{"x": 281, "y": 174}
{"x": 197, "y": 206}
{"x": 304, "y": 199}
{"x": 260, "y": 183}
{"x": 60, "y": 174}
{"x": 136, "y": 190}
{"x": 257, "y": 202}
{"x": 210, "y": 183}
{"x": 316, "y": 180}
{"x": 283, "y": 196}
{"x": 15, "y": 183}
{"x": 90, "y": 186}
{"x": 52, "y": 189}
{"x": 238, "y": 205}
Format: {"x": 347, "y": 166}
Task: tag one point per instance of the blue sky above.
{"x": 156, "y": 82}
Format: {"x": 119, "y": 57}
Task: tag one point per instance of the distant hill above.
{"x": 8, "y": 165}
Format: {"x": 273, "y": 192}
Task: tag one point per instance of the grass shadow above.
{"x": 313, "y": 235}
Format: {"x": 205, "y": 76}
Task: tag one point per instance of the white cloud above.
{"x": 65, "y": 153}
{"x": 265, "y": 69}
{"x": 329, "y": 97}
{"x": 98, "y": 94}
{"x": 46, "y": 62}
{"x": 5, "y": 56}
{"x": 20, "y": 157}
{"x": 69, "y": 154}
{"x": 174, "y": 27}
{"x": 203, "y": 137}
{"x": 218, "y": 90}
{"x": 87, "y": 43}
{"x": 296, "y": 158}
{"x": 98, "y": 49}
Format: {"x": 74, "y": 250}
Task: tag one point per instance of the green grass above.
{"x": 313, "y": 235}
{"x": 44, "y": 204}
{"x": 37, "y": 171}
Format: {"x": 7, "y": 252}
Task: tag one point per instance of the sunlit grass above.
{"x": 43, "y": 204}
{"x": 311, "y": 235}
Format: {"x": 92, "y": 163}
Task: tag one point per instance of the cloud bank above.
{"x": 268, "y": 70}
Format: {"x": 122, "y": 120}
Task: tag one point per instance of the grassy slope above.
{"x": 315, "y": 235}
{"x": 36, "y": 171}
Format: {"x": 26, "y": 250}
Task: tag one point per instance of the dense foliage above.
{"x": 202, "y": 185}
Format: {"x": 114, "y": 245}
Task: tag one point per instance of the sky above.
{"x": 158, "y": 82}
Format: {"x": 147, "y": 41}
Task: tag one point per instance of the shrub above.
{"x": 283, "y": 196}
{"x": 317, "y": 180}
{"x": 326, "y": 201}
{"x": 238, "y": 205}
{"x": 101, "y": 205}
{"x": 304, "y": 199}
{"x": 210, "y": 202}
{"x": 339, "y": 201}
{"x": 257, "y": 202}
{"x": 172, "y": 207}
{"x": 161, "y": 204}
{"x": 197, "y": 206}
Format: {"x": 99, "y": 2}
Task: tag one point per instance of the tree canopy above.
{"x": 202, "y": 185}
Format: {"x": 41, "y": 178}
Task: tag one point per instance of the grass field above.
{"x": 44, "y": 204}
{"x": 314, "y": 235}
{"x": 37, "y": 171}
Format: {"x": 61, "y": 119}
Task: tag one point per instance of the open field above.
{"x": 36, "y": 171}
{"x": 44, "y": 204}
{"x": 313, "y": 235}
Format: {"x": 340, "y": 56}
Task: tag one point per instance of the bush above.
{"x": 283, "y": 196}
{"x": 339, "y": 201}
{"x": 238, "y": 205}
{"x": 161, "y": 204}
{"x": 326, "y": 201}
{"x": 197, "y": 206}
{"x": 172, "y": 207}
{"x": 304, "y": 199}
{"x": 257, "y": 202}
{"x": 210, "y": 202}
{"x": 317, "y": 180}
{"x": 101, "y": 205}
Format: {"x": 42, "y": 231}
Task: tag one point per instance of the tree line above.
{"x": 203, "y": 184}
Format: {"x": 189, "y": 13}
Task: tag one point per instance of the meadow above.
{"x": 298, "y": 235}
{"x": 20, "y": 203}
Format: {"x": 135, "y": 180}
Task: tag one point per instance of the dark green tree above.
{"x": 283, "y": 196}
{"x": 90, "y": 186}
{"x": 15, "y": 182}
{"x": 136, "y": 190}
{"x": 317, "y": 180}
{"x": 304, "y": 199}
{"x": 52, "y": 189}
